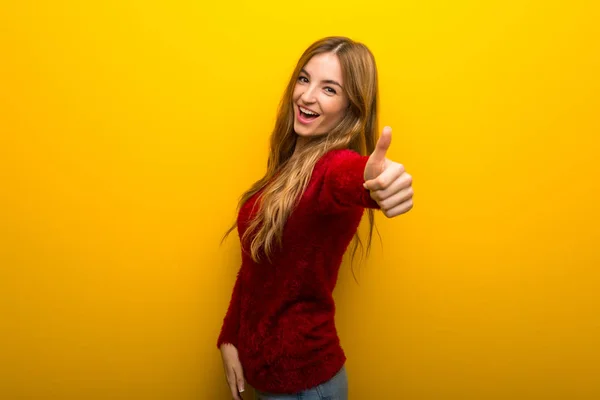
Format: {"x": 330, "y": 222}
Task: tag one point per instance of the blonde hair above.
{"x": 288, "y": 173}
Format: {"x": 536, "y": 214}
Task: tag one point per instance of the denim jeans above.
{"x": 334, "y": 389}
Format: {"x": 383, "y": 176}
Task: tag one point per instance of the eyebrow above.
{"x": 323, "y": 81}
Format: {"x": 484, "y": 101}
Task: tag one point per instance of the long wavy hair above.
{"x": 288, "y": 172}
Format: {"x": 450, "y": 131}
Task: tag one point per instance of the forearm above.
{"x": 231, "y": 322}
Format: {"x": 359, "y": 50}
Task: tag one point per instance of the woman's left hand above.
{"x": 389, "y": 184}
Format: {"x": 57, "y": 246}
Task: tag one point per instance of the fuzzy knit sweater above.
{"x": 281, "y": 313}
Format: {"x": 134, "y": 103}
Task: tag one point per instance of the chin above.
{"x": 304, "y": 132}
{"x": 301, "y": 130}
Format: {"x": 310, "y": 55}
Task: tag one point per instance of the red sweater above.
{"x": 281, "y": 314}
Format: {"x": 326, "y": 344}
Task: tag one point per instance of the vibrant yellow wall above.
{"x": 130, "y": 128}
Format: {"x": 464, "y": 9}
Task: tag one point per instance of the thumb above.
{"x": 383, "y": 144}
{"x": 376, "y": 162}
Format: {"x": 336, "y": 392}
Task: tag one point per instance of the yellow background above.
{"x": 128, "y": 130}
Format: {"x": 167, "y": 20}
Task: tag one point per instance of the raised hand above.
{"x": 389, "y": 184}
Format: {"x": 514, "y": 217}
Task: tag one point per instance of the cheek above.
{"x": 296, "y": 93}
{"x": 335, "y": 108}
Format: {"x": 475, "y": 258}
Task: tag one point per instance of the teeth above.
{"x": 305, "y": 111}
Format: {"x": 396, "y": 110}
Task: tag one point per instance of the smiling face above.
{"x": 320, "y": 100}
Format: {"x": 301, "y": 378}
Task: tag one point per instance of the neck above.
{"x": 301, "y": 142}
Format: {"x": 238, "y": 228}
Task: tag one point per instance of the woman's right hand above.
{"x": 233, "y": 370}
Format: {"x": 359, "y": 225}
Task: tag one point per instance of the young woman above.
{"x": 296, "y": 223}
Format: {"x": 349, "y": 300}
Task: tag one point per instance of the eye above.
{"x": 329, "y": 89}
{"x": 303, "y": 79}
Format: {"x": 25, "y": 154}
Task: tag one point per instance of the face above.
{"x": 320, "y": 100}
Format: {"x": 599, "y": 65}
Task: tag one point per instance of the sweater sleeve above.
{"x": 231, "y": 322}
{"x": 343, "y": 183}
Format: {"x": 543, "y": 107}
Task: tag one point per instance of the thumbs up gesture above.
{"x": 389, "y": 184}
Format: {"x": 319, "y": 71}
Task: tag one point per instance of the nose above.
{"x": 308, "y": 96}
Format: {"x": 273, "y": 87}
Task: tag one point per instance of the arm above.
{"x": 231, "y": 322}
{"x": 343, "y": 183}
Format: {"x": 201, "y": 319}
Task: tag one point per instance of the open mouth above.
{"x": 305, "y": 115}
